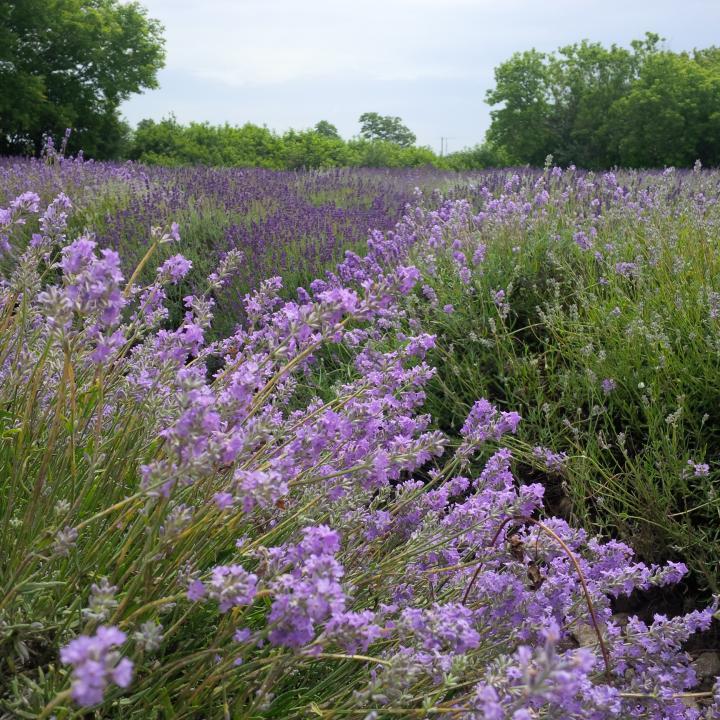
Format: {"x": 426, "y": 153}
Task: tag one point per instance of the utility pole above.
{"x": 444, "y": 145}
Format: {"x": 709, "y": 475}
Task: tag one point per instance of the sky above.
{"x": 290, "y": 63}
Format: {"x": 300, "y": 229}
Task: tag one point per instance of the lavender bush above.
{"x": 588, "y": 303}
{"x": 184, "y": 542}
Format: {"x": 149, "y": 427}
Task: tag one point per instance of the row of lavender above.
{"x": 216, "y": 547}
{"x": 291, "y": 223}
{"x": 590, "y": 304}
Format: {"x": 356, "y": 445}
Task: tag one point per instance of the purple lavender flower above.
{"x": 96, "y": 664}
{"x": 429, "y": 292}
{"x": 608, "y": 385}
{"x": 553, "y": 461}
{"x": 354, "y": 631}
{"x": 699, "y": 469}
{"x": 626, "y": 269}
{"x": 582, "y": 240}
{"x": 485, "y": 422}
{"x": 311, "y": 592}
{"x": 28, "y": 202}
{"x": 174, "y": 269}
{"x": 232, "y": 586}
{"x": 77, "y": 256}
{"x": 479, "y": 254}
{"x": 196, "y": 591}
{"x": 260, "y": 487}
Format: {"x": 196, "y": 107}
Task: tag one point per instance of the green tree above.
{"x": 70, "y": 63}
{"x": 522, "y": 125}
{"x": 312, "y": 149}
{"x": 586, "y": 79}
{"x": 558, "y": 103}
{"x": 385, "y": 128}
{"x": 327, "y": 129}
{"x": 671, "y": 116}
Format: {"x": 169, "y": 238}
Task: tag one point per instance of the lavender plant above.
{"x": 588, "y": 304}
{"x": 296, "y": 224}
{"x": 189, "y": 542}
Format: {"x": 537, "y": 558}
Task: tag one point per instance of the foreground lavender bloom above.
{"x": 485, "y": 422}
{"x": 315, "y": 524}
{"x": 15, "y": 215}
{"x": 95, "y": 664}
{"x": 310, "y": 592}
{"x": 608, "y": 385}
{"x": 174, "y": 269}
{"x": 553, "y": 461}
{"x": 699, "y": 469}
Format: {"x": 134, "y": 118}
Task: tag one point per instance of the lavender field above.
{"x": 297, "y": 224}
{"x": 358, "y": 444}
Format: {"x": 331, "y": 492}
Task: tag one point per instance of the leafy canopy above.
{"x": 386, "y": 128}
{"x": 597, "y": 107}
{"x": 70, "y": 63}
{"x": 327, "y": 129}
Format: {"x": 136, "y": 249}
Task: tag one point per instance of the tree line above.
{"x": 598, "y": 107}
{"x": 383, "y": 142}
{"x": 71, "y": 63}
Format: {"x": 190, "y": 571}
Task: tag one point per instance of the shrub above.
{"x": 201, "y": 544}
{"x": 589, "y": 304}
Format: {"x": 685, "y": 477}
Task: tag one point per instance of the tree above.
{"x": 559, "y": 103}
{"x": 522, "y": 126}
{"x": 312, "y": 149}
{"x": 587, "y": 79}
{"x": 70, "y": 63}
{"x": 385, "y": 128}
{"x": 327, "y": 129}
{"x": 671, "y": 116}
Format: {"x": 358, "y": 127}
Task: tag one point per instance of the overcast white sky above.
{"x": 290, "y": 63}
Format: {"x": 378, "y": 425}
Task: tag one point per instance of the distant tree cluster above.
{"x": 386, "y": 129}
{"x": 384, "y": 141}
{"x": 170, "y": 143}
{"x": 599, "y": 107}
